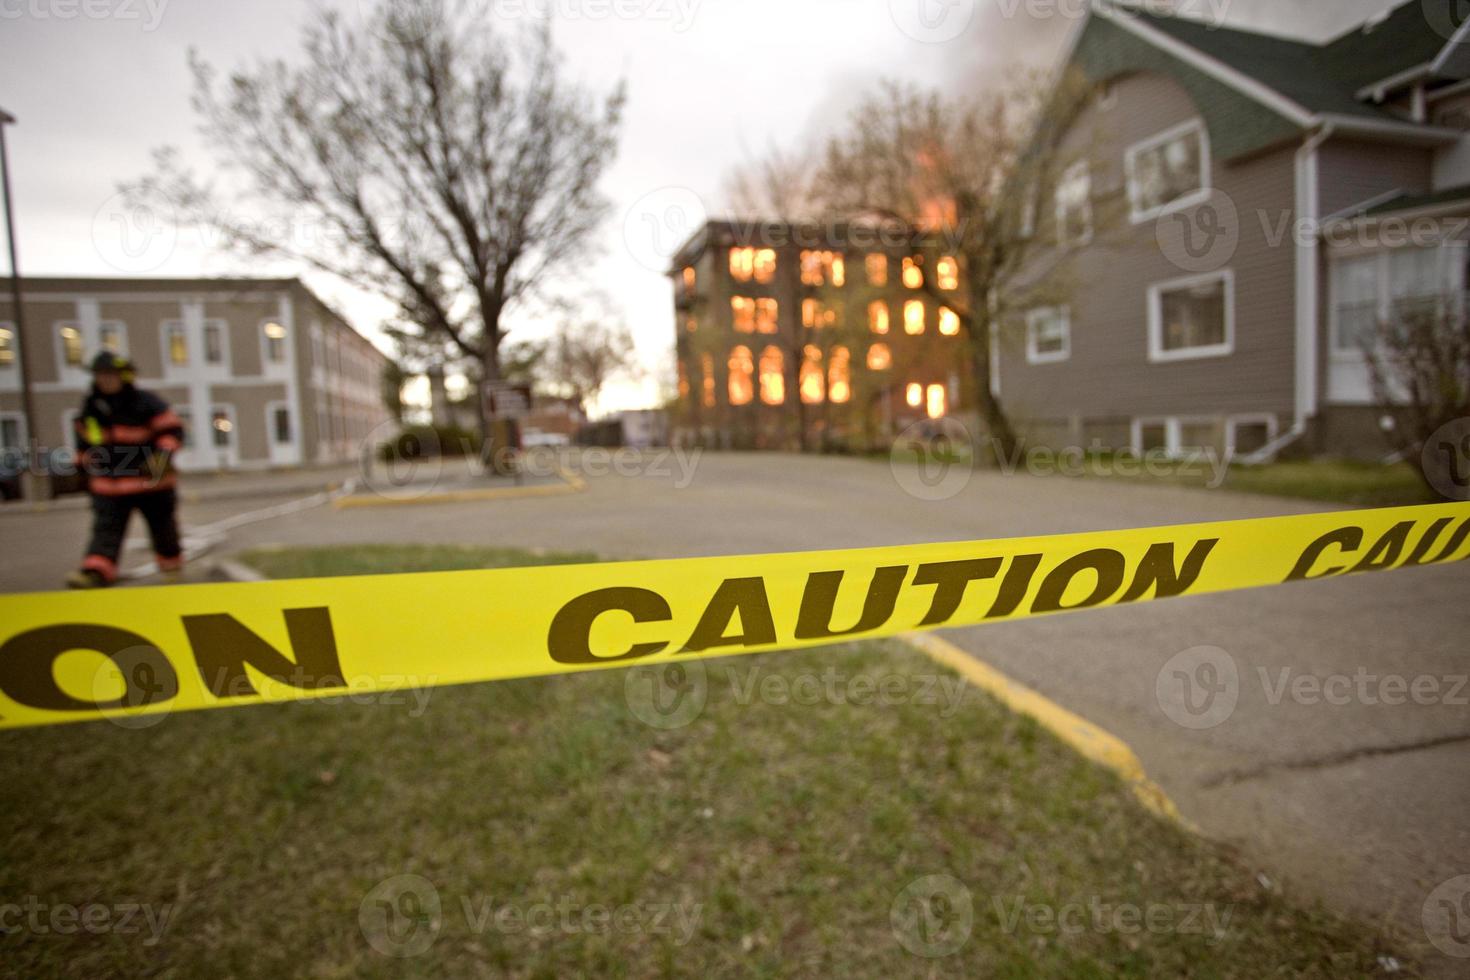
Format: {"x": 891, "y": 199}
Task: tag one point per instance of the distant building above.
{"x": 1280, "y": 198}
{"x": 641, "y": 428}
{"x": 791, "y": 330}
{"x": 262, "y": 371}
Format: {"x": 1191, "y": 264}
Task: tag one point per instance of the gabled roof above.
{"x": 1257, "y": 89}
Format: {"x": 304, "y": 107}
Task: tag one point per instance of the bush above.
{"x": 426, "y": 441}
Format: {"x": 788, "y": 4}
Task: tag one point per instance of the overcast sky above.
{"x": 96, "y": 84}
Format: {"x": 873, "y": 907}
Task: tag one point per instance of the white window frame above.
{"x": 165, "y": 330}
{"x": 271, "y": 409}
{"x": 1033, "y": 321}
{"x": 62, "y": 364}
{"x": 1197, "y": 196}
{"x": 122, "y": 334}
{"x": 1383, "y": 287}
{"x": 265, "y": 345}
{"x": 1068, "y": 176}
{"x": 15, "y": 342}
{"x": 20, "y": 428}
{"x": 1156, "y": 352}
{"x": 223, "y": 326}
{"x": 1173, "y": 429}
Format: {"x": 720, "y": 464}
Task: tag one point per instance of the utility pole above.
{"x": 35, "y": 481}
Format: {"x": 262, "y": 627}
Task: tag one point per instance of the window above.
{"x": 1245, "y": 434}
{"x": 275, "y": 342}
{"x": 214, "y": 344}
{"x": 839, "y": 381}
{"x": 186, "y": 422}
{"x": 691, "y": 324}
{"x": 812, "y": 388}
{"x": 742, "y": 308}
{"x": 110, "y": 337}
{"x": 1151, "y": 437}
{"x": 1048, "y": 335}
{"x": 914, "y": 394}
{"x": 1028, "y": 214}
{"x": 177, "y": 343}
{"x": 913, "y": 275}
{"x": 936, "y": 401}
{"x": 7, "y": 344}
{"x": 1168, "y": 171}
{"x": 765, "y": 315}
{"x": 947, "y": 273}
{"x": 816, "y": 314}
{"x": 913, "y": 317}
{"x": 1395, "y": 284}
{"x": 746, "y": 265}
{"x": 773, "y": 376}
{"x": 1074, "y": 205}
{"x": 689, "y": 278}
{"x": 877, "y": 266}
{"x": 71, "y": 344}
{"x": 281, "y": 424}
{"x": 1193, "y": 317}
{"x": 223, "y": 428}
{"x": 10, "y": 437}
{"x": 742, "y": 369}
{"x": 820, "y": 268}
{"x": 949, "y": 322}
{"x": 707, "y": 369}
{"x": 879, "y": 358}
{"x": 1187, "y": 436}
{"x": 878, "y": 316}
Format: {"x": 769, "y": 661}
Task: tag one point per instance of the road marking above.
{"x": 1093, "y": 743}
{"x": 572, "y": 483}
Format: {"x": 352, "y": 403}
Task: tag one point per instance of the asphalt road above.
{"x": 1331, "y": 789}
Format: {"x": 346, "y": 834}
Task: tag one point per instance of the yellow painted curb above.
{"x": 1092, "y": 742}
{"x": 571, "y": 483}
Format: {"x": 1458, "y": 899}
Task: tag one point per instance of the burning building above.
{"x": 795, "y": 335}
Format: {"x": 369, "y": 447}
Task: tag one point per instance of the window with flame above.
{"x": 816, "y": 315}
{"x": 914, "y": 394}
{"x": 913, "y": 317}
{"x": 812, "y": 387}
{"x": 683, "y": 381}
{"x": 913, "y": 275}
{"x": 753, "y": 315}
{"x": 947, "y": 273}
{"x": 839, "y": 380}
{"x": 949, "y": 322}
{"x": 879, "y": 358}
{"x": 937, "y": 402}
{"x": 820, "y": 268}
{"x": 742, "y": 373}
{"x": 707, "y": 368}
{"x": 773, "y": 376}
{"x": 689, "y": 278}
{"x": 878, "y": 316}
{"x": 691, "y": 324}
{"x": 753, "y": 264}
{"x": 877, "y": 265}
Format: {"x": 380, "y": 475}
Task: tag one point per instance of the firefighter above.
{"x": 126, "y": 439}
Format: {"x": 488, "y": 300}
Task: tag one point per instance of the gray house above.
{"x": 1272, "y": 199}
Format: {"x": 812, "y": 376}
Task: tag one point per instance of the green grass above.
{"x": 784, "y": 833}
{"x": 1335, "y": 481}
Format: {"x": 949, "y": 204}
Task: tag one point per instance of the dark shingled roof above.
{"x": 1413, "y": 202}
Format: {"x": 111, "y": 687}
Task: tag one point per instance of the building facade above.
{"x": 1278, "y": 200}
{"x": 792, "y": 335}
{"x": 263, "y": 373}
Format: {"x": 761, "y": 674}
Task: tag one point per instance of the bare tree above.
{"x": 583, "y": 355}
{"x": 964, "y": 173}
{"x": 1419, "y": 367}
{"x": 418, "y": 155}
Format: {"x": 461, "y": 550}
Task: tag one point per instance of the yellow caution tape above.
{"x": 73, "y": 657}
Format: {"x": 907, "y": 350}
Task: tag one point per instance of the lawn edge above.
{"x": 1090, "y": 741}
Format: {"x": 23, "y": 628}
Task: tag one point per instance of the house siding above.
{"x": 1108, "y": 379}
{"x": 1353, "y": 171}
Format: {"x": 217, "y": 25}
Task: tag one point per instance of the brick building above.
{"x": 262, "y": 371}
{"x": 824, "y": 335}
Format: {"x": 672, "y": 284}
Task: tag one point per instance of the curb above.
{"x": 571, "y": 483}
{"x": 1091, "y": 742}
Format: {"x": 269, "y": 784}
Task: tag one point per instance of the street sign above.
{"x": 504, "y": 400}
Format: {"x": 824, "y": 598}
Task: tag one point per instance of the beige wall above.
{"x": 252, "y": 428}
{"x": 144, "y": 320}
